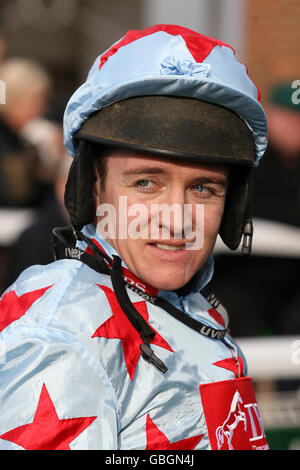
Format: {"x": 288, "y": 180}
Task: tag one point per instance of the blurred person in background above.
{"x": 28, "y": 87}
{"x": 33, "y": 246}
{"x": 2, "y": 49}
{"x": 266, "y": 288}
{"x": 282, "y": 163}
{"x": 31, "y": 154}
{"x": 47, "y": 137}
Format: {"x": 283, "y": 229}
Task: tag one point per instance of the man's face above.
{"x": 163, "y": 248}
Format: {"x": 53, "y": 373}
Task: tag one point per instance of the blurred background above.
{"x": 47, "y": 48}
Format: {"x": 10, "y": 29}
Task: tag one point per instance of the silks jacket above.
{"x": 73, "y": 376}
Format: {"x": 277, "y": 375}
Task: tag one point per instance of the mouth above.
{"x": 169, "y": 246}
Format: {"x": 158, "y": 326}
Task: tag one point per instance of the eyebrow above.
{"x": 220, "y": 180}
{"x": 142, "y": 170}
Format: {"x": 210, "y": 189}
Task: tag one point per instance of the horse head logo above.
{"x": 235, "y": 416}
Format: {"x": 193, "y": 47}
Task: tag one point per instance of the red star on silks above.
{"x": 13, "y": 307}
{"x": 231, "y": 364}
{"x": 118, "y": 326}
{"x": 47, "y": 431}
{"x": 156, "y": 440}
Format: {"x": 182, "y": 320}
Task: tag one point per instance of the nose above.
{"x": 169, "y": 214}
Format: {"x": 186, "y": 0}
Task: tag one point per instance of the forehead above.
{"x": 127, "y": 162}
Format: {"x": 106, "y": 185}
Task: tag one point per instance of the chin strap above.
{"x": 248, "y": 224}
{"x": 248, "y": 237}
{"x": 64, "y": 246}
{"x": 134, "y": 316}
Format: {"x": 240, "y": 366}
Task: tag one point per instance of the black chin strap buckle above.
{"x": 149, "y": 356}
{"x": 248, "y": 236}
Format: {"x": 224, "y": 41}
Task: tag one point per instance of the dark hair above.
{"x": 101, "y": 163}
{"x": 100, "y": 154}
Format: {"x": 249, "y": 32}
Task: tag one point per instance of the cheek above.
{"x": 107, "y": 196}
{"x": 212, "y": 220}
{"x": 138, "y": 218}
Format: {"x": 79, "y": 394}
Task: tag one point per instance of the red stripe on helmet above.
{"x": 258, "y": 94}
{"x": 198, "y": 45}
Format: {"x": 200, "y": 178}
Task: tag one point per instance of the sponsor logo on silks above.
{"x": 135, "y": 284}
{"x": 235, "y": 416}
{"x": 211, "y": 332}
{"x": 73, "y": 253}
{"x": 232, "y": 415}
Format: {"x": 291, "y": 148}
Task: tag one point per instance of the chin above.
{"x": 168, "y": 284}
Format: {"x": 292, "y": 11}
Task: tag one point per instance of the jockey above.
{"x": 119, "y": 343}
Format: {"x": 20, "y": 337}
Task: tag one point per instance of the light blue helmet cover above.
{"x": 168, "y": 60}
